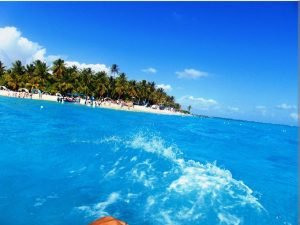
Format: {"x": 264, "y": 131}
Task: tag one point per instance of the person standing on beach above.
{"x": 92, "y": 100}
{"x": 40, "y": 94}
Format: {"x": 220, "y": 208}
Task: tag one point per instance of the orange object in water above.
{"x": 108, "y": 220}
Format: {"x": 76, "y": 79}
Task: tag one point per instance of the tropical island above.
{"x": 68, "y": 83}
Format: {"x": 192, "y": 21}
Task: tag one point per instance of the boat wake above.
{"x": 149, "y": 181}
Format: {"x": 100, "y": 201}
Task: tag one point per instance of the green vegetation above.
{"x": 63, "y": 79}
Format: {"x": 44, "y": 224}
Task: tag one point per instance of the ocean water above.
{"x": 71, "y": 164}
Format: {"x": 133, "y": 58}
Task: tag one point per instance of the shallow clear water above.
{"x": 70, "y": 164}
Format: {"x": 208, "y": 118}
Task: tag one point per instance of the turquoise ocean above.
{"x": 71, "y": 164}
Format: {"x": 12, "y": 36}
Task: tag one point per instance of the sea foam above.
{"x": 173, "y": 190}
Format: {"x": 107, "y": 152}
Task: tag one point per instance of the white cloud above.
{"x": 13, "y": 46}
{"x": 166, "y": 87}
{"x": 262, "y": 109}
{"x": 94, "y": 67}
{"x": 150, "y": 70}
{"x": 294, "y": 116}
{"x": 234, "y": 109}
{"x": 203, "y": 100}
{"x": 191, "y": 74}
{"x": 51, "y": 58}
{"x": 199, "y": 102}
{"x": 286, "y": 106}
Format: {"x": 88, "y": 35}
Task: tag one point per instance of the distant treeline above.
{"x": 66, "y": 80}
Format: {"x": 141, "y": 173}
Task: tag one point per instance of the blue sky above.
{"x": 236, "y": 60}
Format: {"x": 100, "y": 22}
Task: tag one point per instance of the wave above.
{"x": 99, "y": 209}
{"x": 170, "y": 189}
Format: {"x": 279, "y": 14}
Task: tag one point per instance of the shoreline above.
{"x": 105, "y": 105}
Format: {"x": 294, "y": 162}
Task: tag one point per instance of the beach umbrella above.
{"x": 23, "y": 90}
{"x": 3, "y": 88}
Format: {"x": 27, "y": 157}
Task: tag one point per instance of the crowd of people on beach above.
{"x": 85, "y": 100}
{"x": 108, "y": 102}
{"x": 19, "y": 94}
{"x": 89, "y": 101}
{"x": 22, "y": 93}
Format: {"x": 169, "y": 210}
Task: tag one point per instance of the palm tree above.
{"x": 73, "y": 77}
{"x": 2, "y": 69}
{"x": 14, "y": 78}
{"x": 146, "y": 89}
{"x": 86, "y": 79}
{"x": 132, "y": 89}
{"x": 102, "y": 83}
{"x": 160, "y": 96}
{"x": 18, "y": 68}
{"x": 29, "y": 69}
{"x": 28, "y": 77}
{"x": 177, "y": 106}
{"x": 59, "y": 68}
{"x": 114, "y": 69}
{"x": 151, "y": 91}
{"x": 111, "y": 87}
{"x": 121, "y": 85}
{"x": 172, "y": 99}
{"x": 41, "y": 72}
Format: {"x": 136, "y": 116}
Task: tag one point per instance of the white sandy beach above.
{"x": 108, "y": 105}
